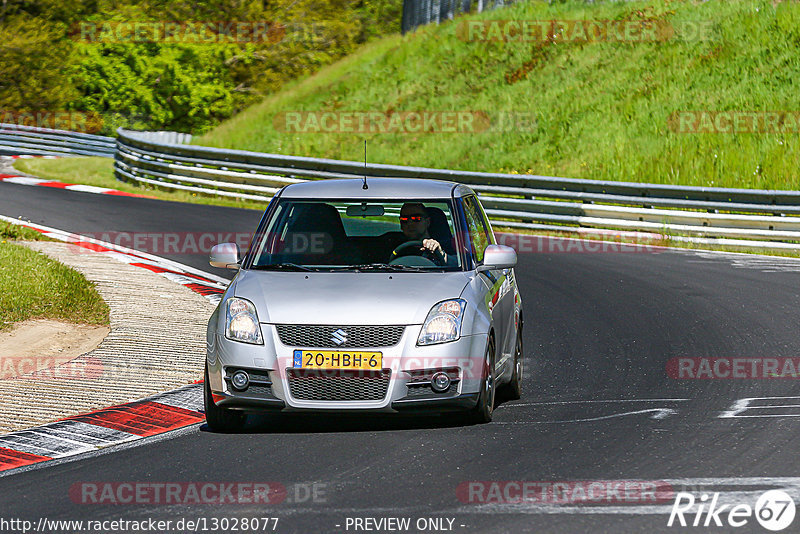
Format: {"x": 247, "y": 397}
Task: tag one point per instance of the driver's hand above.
{"x": 434, "y": 246}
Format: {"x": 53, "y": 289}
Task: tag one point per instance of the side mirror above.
{"x": 498, "y": 257}
{"x": 225, "y": 256}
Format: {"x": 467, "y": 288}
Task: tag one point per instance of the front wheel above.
{"x": 220, "y": 419}
{"x": 482, "y": 413}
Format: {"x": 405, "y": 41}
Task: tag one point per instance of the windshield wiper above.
{"x": 385, "y": 267}
{"x": 282, "y": 267}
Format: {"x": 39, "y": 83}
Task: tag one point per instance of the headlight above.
{"x": 443, "y": 323}
{"x": 241, "y": 322}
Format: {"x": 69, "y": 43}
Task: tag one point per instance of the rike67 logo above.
{"x": 774, "y": 510}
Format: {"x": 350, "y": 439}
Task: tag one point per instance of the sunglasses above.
{"x": 415, "y": 218}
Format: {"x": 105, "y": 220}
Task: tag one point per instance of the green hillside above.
{"x": 181, "y": 65}
{"x": 606, "y": 109}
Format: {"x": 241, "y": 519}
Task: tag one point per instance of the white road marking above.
{"x": 88, "y": 188}
{"x": 24, "y": 180}
{"x": 85, "y": 433}
{"x": 658, "y": 413}
{"x": 42, "y": 445}
{"x": 188, "y": 397}
{"x": 765, "y": 264}
{"x": 743, "y": 405}
{"x": 138, "y": 441}
{"x": 592, "y": 402}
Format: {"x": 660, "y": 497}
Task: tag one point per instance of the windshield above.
{"x": 357, "y": 235}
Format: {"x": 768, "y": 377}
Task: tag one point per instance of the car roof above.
{"x": 378, "y": 188}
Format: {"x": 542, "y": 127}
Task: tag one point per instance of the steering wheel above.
{"x": 412, "y": 248}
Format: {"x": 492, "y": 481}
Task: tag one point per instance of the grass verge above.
{"x": 33, "y": 286}
{"x": 99, "y": 172}
{"x": 11, "y": 232}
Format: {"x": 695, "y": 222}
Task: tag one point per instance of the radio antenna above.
{"x": 365, "y": 186}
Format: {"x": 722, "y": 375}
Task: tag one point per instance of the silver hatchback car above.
{"x": 387, "y": 295}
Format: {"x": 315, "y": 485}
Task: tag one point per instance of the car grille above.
{"x": 260, "y": 383}
{"x": 261, "y": 391}
{"x": 323, "y": 336}
{"x": 415, "y": 392}
{"x": 338, "y": 385}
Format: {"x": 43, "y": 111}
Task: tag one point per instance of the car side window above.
{"x": 479, "y": 234}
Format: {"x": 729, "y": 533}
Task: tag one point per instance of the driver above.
{"x": 414, "y": 222}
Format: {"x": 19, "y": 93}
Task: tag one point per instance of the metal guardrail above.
{"x": 19, "y": 139}
{"x": 421, "y": 12}
{"x": 739, "y": 217}
{"x": 761, "y": 217}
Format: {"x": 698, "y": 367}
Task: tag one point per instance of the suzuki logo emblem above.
{"x": 339, "y": 337}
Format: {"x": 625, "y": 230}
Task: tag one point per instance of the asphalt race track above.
{"x": 598, "y": 404}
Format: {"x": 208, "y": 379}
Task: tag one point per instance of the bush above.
{"x": 180, "y": 86}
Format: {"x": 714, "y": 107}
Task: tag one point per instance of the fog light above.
{"x": 240, "y": 380}
{"x": 440, "y": 382}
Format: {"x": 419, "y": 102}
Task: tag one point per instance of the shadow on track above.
{"x": 299, "y": 423}
{"x": 328, "y": 423}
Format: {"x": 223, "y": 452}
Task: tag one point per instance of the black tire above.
{"x": 482, "y": 413}
{"x": 220, "y": 419}
{"x": 513, "y": 390}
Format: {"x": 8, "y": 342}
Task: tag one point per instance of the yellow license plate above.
{"x": 327, "y": 359}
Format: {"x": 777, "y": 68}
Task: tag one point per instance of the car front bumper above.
{"x": 275, "y": 360}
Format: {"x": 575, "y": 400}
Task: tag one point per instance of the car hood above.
{"x": 347, "y": 298}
